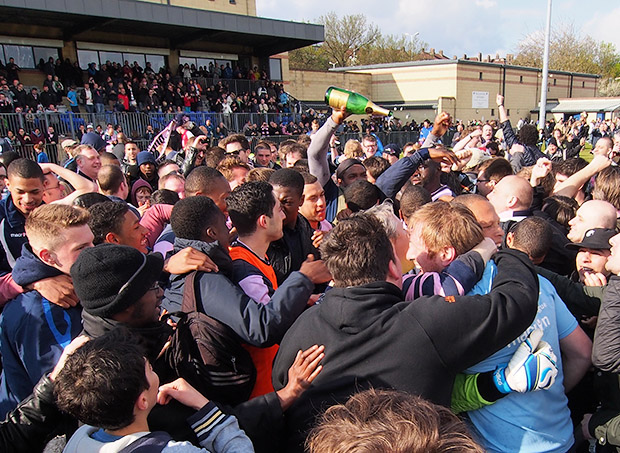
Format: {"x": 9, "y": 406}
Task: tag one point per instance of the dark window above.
{"x": 479, "y": 76}
{"x": 520, "y": 79}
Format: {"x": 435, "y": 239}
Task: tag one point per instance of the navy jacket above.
{"x": 12, "y": 234}
{"x": 33, "y": 333}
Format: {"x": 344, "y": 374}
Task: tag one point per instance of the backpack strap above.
{"x": 189, "y": 293}
{"x": 153, "y": 442}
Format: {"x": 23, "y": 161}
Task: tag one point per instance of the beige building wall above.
{"x": 403, "y": 84}
{"x": 311, "y": 85}
{"x": 245, "y": 7}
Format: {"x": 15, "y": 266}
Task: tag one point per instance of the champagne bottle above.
{"x": 355, "y": 103}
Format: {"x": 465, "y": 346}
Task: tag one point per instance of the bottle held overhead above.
{"x": 354, "y": 103}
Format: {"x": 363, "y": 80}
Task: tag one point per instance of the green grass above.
{"x": 586, "y": 152}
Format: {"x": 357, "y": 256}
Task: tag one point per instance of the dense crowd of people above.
{"x": 131, "y": 88}
{"x": 457, "y": 293}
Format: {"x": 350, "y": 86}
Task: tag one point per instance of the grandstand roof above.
{"x": 187, "y": 28}
{"x": 578, "y": 105}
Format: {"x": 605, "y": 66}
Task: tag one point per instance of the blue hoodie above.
{"x": 33, "y": 333}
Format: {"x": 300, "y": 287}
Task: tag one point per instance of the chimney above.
{"x": 509, "y": 58}
{"x": 464, "y": 56}
{"x": 432, "y": 52}
{"x": 454, "y": 57}
{"x": 497, "y": 56}
{"x": 441, "y": 53}
{"x": 479, "y": 56}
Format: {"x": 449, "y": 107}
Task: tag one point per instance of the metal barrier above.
{"x": 134, "y": 124}
{"x": 68, "y": 124}
{"x": 54, "y": 153}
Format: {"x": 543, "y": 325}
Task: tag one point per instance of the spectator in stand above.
{"x": 40, "y": 154}
{"x": 37, "y": 136}
{"x": 73, "y": 100}
{"x": 87, "y": 98}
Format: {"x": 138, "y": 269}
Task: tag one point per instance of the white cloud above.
{"x": 603, "y": 26}
{"x": 486, "y": 3}
{"x": 459, "y": 27}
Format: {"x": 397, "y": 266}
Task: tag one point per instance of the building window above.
{"x": 23, "y": 55}
{"x": 232, "y": 2}
{"x": 479, "y": 76}
{"x": 85, "y": 57}
{"x": 555, "y": 82}
{"x": 583, "y": 84}
{"x": 520, "y": 79}
{"x": 275, "y": 69}
{"x": 492, "y": 112}
{"x": 508, "y": 112}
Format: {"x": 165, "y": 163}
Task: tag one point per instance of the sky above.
{"x": 461, "y": 27}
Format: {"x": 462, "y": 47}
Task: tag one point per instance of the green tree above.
{"x": 309, "y": 58}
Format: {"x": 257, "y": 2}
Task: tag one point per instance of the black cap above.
{"x": 595, "y": 239}
{"x": 392, "y": 149}
{"x": 345, "y": 165}
{"x": 109, "y": 278}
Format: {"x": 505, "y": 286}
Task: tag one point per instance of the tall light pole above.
{"x": 542, "y": 113}
{"x": 411, "y": 39}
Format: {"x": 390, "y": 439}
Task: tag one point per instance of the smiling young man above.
{"x": 115, "y": 223}
{"x": 289, "y": 252}
{"x": 33, "y": 332}
{"x": 26, "y": 186}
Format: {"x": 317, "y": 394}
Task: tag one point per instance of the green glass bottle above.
{"x": 355, "y": 103}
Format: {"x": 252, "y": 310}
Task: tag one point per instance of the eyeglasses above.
{"x": 155, "y": 287}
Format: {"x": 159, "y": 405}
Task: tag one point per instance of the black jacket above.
{"x": 372, "y": 338}
{"x": 287, "y": 253}
{"x": 31, "y": 424}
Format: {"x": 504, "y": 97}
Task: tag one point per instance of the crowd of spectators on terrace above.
{"x": 131, "y": 88}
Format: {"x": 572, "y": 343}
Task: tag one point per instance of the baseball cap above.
{"x": 392, "y": 149}
{"x": 595, "y": 239}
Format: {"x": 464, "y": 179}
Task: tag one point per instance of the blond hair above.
{"x": 228, "y": 164}
{"x": 390, "y": 421}
{"x": 446, "y": 225}
{"x": 353, "y": 149}
{"x": 46, "y": 225}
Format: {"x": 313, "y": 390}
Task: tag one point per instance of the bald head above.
{"x": 592, "y": 214}
{"x": 485, "y": 215}
{"x": 512, "y": 193}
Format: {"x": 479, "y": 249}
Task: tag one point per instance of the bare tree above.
{"x": 353, "y": 40}
{"x": 569, "y": 51}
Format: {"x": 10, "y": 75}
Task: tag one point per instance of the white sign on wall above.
{"x": 479, "y": 99}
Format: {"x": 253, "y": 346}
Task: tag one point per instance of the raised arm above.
{"x": 317, "y": 151}
{"x": 573, "y": 183}
{"x": 79, "y": 183}
{"x": 395, "y": 177}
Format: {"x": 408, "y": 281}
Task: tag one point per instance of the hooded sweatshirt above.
{"x": 33, "y": 333}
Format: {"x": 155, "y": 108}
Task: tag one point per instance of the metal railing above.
{"x": 133, "y": 124}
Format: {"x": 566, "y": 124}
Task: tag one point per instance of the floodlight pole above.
{"x": 542, "y": 114}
